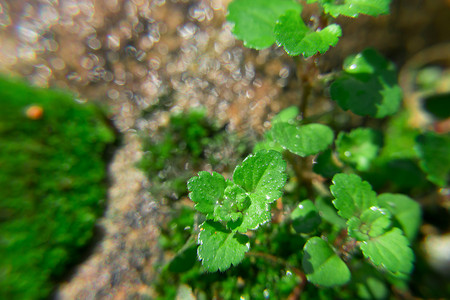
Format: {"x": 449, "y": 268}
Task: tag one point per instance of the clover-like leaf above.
{"x": 305, "y": 217}
{"x": 254, "y": 20}
{"x": 235, "y": 201}
{"x": 368, "y": 85}
{"x": 322, "y": 266}
{"x": 296, "y": 38}
{"x": 434, "y": 153}
{"x": 405, "y": 211}
{"x": 303, "y": 140}
{"x": 359, "y": 147}
{"x": 373, "y": 222}
{"x": 206, "y": 190}
{"x": 261, "y": 175}
{"x": 353, "y": 196}
{"x": 219, "y": 247}
{"x": 390, "y": 251}
{"x": 287, "y": 115}
{"x": 352, "y": 8}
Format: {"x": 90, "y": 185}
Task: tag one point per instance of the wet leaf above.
{"x": 305, "y": 217}
{"x": 303, "y": 140}
{"x": 368, "y": 85}
{"x": 352, "y": 8}
{"x": 353, "y": 196}
{"x": 296, "y": 38}
{"x": 373, "y": 222}
{"x": 254, "y": 20}
{"x": 219, "y": 247}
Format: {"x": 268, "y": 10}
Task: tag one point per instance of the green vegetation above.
{"x": 308, "y": 215}
{"x": 52, "y": 183}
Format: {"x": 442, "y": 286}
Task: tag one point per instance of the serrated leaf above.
{"x": 220, "y": 248}
{"x": 262, "y": 176}
{"x": 322, "y": 266}
{"x": 254, "y": 20}
{"x": 353, "y": 196}
{"x": 359, "y": 147}
{"x": 296, "y": 38}
{"x": 368, "y": 85}
{"x": 352, "y": 8}
{"x": 303, "y": 140}
{"x": 405, "y": 210}
{"x": 373, "y": 222}
{"x": 390, "y": 251}
{"x": 305, "y": 217}
{"x": 434, "y": 152}
{"x": 235, "y": 201}
{"x": 206, "y": 190}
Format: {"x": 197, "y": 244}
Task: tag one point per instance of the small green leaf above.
{"x": 325, "y": 164}
{"x": 268, "y": 143}
{"x": 184, "y": 260}
{"x": 405, "y": 210}
{"x": 220, "y": 248}
{"x": 296, "y": 38}
{"x": 254, "y": 20}
{"x": 206, "y": 190}
{"x": 369, "y": 283}
{"x": 390, "y": 251}
{"x": 303, "y": 140}
{"x": 235, "y": 201}
{"x": 434, "y": 153}
{"x": 305, "y": 217}
{"x": 352, "y": 8}
{"x": 373, "y": 222}
{"x": 287, "y": 115}
{"x": 353, "y": 196}
{"x": 359, "y": 147}
{"x": 368, "y": 85}
{"x": 262, "y": 176}
{"x": 322, "y": 266}
{"x": 329, "y": 214}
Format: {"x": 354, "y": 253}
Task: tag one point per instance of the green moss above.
{"x": 52, "y": 173}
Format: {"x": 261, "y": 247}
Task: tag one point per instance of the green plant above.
{"x": 339, "y": 213}
{"x": 52, "y": 183}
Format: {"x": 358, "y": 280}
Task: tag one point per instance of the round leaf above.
{"x": 305, "y": 217}
{"x": 352, "y": 8}
{"x": 322, "y": 266}
{"x": 372, "y": 223}
{"x": 304, "y": 140}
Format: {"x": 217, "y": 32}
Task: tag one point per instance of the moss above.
{"x": 52, "y": 183}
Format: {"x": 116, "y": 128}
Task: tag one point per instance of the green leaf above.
{"x": 235, "y": 201}
{"x": 369, "y": 283}
{"x": 296, "y": 38}
{"x": 368, "y": 85}
{"x": 184, "y": 260}
{"x": 390, "y": 251}
{"x": 325, "y": 164}
{"x": 206, "y": 190}
{"x": 268, "y": 143}
{"x": 352, "y": 8}
{"x": 262, "y": 176}
{"x": 305, "y": 217}
{"x": 329, "y": 214}
{"x": 303, "y": 140}
{"x": 359, "y": 147}
{"x": 353, "y": 196}
{"x": 287, "y": 115}
{"x": 220, "y": 248}
{"x": 438, "y": 105}
{"x": 373, "y": 222}
{"x": 322, "y": 266}
{"x": 254, "y": 20}
{"x": 434, "y": 153}
{"x": 405, "y": 210}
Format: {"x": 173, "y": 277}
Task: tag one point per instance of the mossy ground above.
{"x": 52, "y": 183}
